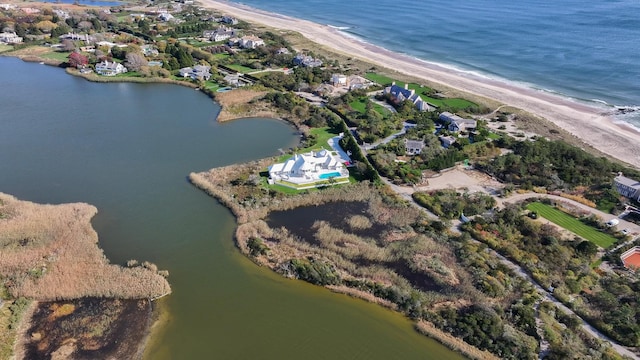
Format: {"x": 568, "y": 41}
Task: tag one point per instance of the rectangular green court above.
{"x": 572, "y": 224}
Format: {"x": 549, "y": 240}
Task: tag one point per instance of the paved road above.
{"x": 519, "y": 271}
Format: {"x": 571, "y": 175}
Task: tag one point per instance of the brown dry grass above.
{"x": 243, "y": 103}
{"x": 50, "y": 252}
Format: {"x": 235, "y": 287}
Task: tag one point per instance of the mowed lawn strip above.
{"x": 572, "y": 224}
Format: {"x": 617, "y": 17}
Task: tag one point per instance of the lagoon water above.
{"x": 587, "y": 50}
{"x": 127, "y": 149}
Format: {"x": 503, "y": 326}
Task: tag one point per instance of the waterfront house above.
{"x": 627, "y": 187}
{"x": 106, "y": 68}
{"x": 198, "y": 72}
{"x": 305, "y": 170}
{"x": 413, "y": 147}
{"x": 456, "y": 123}
{"x": 229, "y": 20}
{"x": 10, "y": 38}
{"x": 399, "y": 94}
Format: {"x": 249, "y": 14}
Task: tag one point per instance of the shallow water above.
{"x": 127, "y": 149}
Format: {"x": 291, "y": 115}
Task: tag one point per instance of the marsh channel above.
{"x": 127, "y": 149}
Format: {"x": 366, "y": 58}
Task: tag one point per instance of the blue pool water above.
{"x": 328, "y": 175}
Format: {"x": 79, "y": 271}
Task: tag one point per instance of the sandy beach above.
{"x": 586, "y": 122}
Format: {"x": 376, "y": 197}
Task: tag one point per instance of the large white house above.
{"x": 309, "y": 169}
{"x": 10, "y": 38}
{"x": 250, "y": 42}
{"x": 106, "y": 68}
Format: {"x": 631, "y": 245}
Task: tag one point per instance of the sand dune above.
{"x": 586, "y": 122}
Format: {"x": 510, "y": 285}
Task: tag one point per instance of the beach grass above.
{"x": 572, "y": 224}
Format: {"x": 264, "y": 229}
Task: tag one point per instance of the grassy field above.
{"x": 380, "y": 79}
{"x": 213, "y": 86}
{"x": 572, "y": 224}
{"x": 221, "y": 56}
{"x": 242, "y": 69}
{"x": 360, "y": 105}
{"x": 4, "y": 48}
{"x": 55, "y": 55}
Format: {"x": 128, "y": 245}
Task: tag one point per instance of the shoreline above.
{"x": 588, "y": 123}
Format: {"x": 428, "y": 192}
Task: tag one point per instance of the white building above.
{"x": 10, "y": 38}
{"x": 339, "y": 80}
{"x": 106, "y": 68}
{"x": 310, "y": 169}
{"x": 250, "y": 42}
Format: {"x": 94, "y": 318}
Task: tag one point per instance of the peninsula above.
{"x": 413, "y": 186}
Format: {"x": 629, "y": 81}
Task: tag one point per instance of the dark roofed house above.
{"x": 399, "y": 94}
{"x": 627, "y": 187}
{"x": 413, "y": 147}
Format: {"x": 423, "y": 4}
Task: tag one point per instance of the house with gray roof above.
{"x": 456, "y": 123}
{"x": 627, "y": 187}
{"x": 399, "y": 94}
{"x": 413, "y": 147}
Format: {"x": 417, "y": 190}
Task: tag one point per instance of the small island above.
{"x": 481, "y": 222}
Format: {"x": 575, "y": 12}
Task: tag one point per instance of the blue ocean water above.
{"x": 588, "y": 50}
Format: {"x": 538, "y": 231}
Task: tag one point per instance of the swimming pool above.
{"x": 328, "y": 175}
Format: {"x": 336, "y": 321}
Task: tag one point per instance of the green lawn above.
{"x": 380, "y": 79}
{"x": 60, "y": 56}
{"x": 453, "y": 103}
{"x": 221, "y": 56}
{"x": 210, "y": 85}
{"x": 240, "y": 68}
{"x": 572, "y": 224}
{"x": 4, "y": 48}
{"x": 360, "y": 105}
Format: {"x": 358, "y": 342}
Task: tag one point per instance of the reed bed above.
{"x": 453, "y": 342}
{"x": 50, "y": 252}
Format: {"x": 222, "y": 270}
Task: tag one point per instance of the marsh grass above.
{"x": 50, "y": 252}
{"x": 358, "y": 222}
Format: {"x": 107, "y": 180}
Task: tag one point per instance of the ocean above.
{"x": 585, "y": 50}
